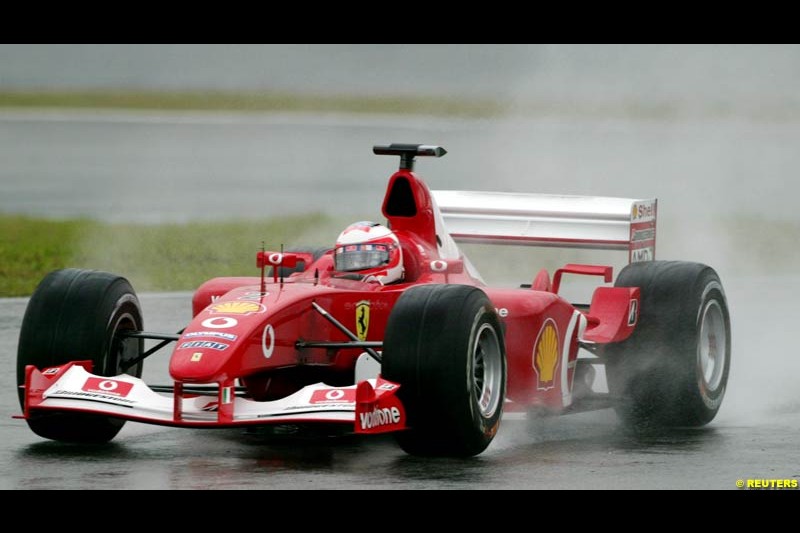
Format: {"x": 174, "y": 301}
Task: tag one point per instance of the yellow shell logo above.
{"x": 545, "y": 355}
{"x": 236, "y": 308}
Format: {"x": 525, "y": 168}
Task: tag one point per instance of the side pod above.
{"x": 612, "y": 315}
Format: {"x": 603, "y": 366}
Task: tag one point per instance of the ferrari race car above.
{"x": 434, "y": 357}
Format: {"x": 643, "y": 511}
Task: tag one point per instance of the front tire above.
{"x": 673, "y": 370}
{"x": 444, "y": 346}
{"x": 75, "y": 315}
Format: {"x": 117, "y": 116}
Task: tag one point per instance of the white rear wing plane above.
{"x": 551, "y": 220}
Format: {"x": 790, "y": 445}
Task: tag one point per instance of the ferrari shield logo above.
{"x": 362, "y": 319}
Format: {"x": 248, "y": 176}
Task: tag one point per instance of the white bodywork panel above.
{"x": 319, "y": 402}
{"x": 367, "y": 367}
{"x": 549, "y": 220}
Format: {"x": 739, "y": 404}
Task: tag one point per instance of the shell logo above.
{"x": 237, "y": 308}
{"x": 545, "y": 355}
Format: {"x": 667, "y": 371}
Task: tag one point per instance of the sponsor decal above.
{"x": 386, "y": 386}
{"x": 643, "y": 211}
{"x": 61, "y": 393}
{"x": 227, "y": 395}
{"x": 338, "y": 396}
{"x": 109, "y": 387}
{"x": 251, "y": 295}
{"x": 545, "y": 355}
{"x": 215, "y": 297}
{"x": 438, "y": 265}
{"x": 275, "y": 259}
{"x": 268, "y": 341}
{"x": 378, "y": 410}
{"x": 374, "y": 305}
{"x": 196, "y": 356}
{"x": 211, "y": 345}
{"x": 222, "y": 322}
{"x": 502, "y": 312}
{"x": 642, "y": 254}
{"x": 362, "y": 319}
{"x": 633, "y": 312}
{"x": 51, "y": 371}
{"x": 379, "y": 417}
{"x": 237, "y": 308}
{"x": 215, "y": 334}
{"x": 644, "y": 234}
{"x": 332, "y": 406}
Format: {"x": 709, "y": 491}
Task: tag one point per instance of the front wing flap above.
{"x": 371, "y": 406}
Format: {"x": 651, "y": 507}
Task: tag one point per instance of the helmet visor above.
{"x": 360, "y": 256}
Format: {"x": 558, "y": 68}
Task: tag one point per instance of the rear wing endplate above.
{"x": 551, "y": 220}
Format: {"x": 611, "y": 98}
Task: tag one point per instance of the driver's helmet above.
{"x": 370, "y": 249}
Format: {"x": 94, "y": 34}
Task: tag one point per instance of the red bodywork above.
{"x": 245, "y": 331}
{"x": 285, "y": 315}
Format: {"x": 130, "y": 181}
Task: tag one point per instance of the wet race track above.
{"x": 755, "y": 435}
{"x": 752, "y": 438}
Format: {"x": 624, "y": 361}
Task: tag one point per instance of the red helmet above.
{"x": 371, "y": 250}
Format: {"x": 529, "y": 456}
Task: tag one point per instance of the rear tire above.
{"x": 444, "y": 346}
{"x": 673, "y": 369}
{"x": 75, "y": 315}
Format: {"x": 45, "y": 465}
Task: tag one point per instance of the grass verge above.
{"x": 431, "y": 105}
{"x": 261, "y": 101}
{"x": 171, "y": 257}
{"x": 163, "y": 257}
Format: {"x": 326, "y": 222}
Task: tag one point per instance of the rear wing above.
{"x": 551, "y": 220}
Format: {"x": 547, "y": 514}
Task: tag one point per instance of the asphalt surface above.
{"x": 754, "y": 437}
{"x": 178, "y": 166}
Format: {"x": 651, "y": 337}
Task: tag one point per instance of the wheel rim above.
{"x": 122, "y": 351}
{"x": 487, "y": 371}
{"x": 125, "y": 350}
{"x": 712, "y": 347}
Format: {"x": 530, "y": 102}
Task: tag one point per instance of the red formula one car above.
{"x": 393, "y": 330}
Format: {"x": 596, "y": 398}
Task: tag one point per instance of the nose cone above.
{"x": 201, "y": 355}
{"x": 215, "y": 337}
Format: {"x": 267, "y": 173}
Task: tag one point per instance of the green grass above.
{"x": 267, "y": 101}
{"x": 262, "y": 101}
{"x": 29, "y": 248}
{"x": 154, "y": 258}
{"x": 171, "y": 257}
{"x": 431, "y": 105}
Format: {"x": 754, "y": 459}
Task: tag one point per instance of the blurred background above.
{"x": 173, "y": 133}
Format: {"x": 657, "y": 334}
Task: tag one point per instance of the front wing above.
{"x": 371, "y": 406}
